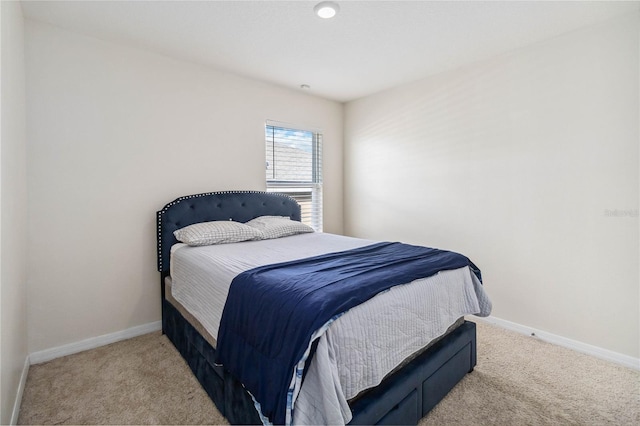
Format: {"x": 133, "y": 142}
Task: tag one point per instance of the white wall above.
{"x": 13, "y": 209}
{"x": 114, "y": 133}
{"x": 515, "y": 162}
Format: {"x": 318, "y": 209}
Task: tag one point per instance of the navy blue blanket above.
{"x": 272, "y": 311}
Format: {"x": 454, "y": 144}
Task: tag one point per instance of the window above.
{"x": 294, "y": 167}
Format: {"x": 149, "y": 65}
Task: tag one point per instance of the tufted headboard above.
{"x": 241, "y": 206}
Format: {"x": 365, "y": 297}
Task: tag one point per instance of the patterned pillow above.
{"x": 216, "y": 232}
{"x": 278, "y": 226}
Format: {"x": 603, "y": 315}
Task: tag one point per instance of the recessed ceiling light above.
{"x": 326, "y": 9}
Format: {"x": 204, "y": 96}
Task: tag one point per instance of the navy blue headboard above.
{"x": 241, "y": 206}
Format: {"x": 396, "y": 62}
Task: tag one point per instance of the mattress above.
{"x": 359, "y": 348}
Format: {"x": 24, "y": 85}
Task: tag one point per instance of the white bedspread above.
{"x": 361, "y": 347}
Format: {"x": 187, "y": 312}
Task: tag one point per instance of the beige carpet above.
{"x": 518, "y": 381}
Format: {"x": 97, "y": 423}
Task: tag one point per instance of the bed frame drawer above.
{"x": 427, "y": 378}
{"x": 406, "y": 412}
{"x": 445, "y": 378}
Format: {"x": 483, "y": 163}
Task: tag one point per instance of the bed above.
{"x": 401, "y": 395}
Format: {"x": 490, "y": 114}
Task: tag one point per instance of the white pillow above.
{"x": 278, "y": 226}
{"x": 216, "y": 232}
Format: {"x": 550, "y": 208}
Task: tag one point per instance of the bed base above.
{"x": 402, "y": 398}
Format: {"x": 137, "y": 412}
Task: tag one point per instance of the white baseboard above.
{"x": 94, "y": 342}
{"x": 618, "y": 358}
{"x": 21, "y": 385}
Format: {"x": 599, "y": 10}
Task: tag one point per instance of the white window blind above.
{"x": 294, "y": 167}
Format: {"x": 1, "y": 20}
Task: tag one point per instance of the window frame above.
{"x": 308, "y": 193}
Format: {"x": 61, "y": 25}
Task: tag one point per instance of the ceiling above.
{"x": 368, "y": 47}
